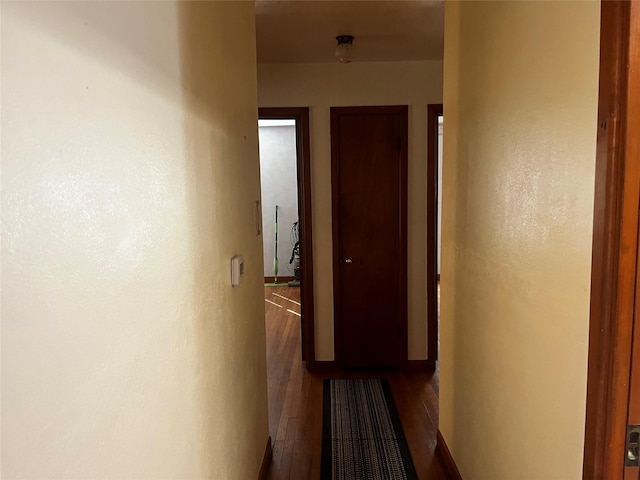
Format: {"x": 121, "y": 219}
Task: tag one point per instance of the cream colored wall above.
{"x": 520, "y": 103}
{"x": 129, "y": 172}
{"x": 324, "y": 85}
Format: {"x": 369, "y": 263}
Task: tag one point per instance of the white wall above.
{"x": 279, "y": 184}
{"x": 321, "y": 86}
{"x": 129, "y": 172}
{"x": 520, "y": 120}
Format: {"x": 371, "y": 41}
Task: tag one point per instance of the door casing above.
{"x": 615, "y": 238}
{"x": 433, "y": 111}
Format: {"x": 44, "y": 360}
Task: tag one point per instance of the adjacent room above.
{"x": 279, "y": 191}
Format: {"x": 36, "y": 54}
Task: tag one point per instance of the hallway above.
{"x": 295, "y": 399}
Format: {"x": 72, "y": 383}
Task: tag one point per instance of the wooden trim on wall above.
{"x": 421, "y": 365}
{"x": 446, "y": 459}
{"x": 617, "y": 196}
{"x": 281, "y": 280}
{"x": 433, "y": 111}
{"x": 335, "y": 113}
{"x": 266, "y": 461}
{"x": 303, "y": 163}
{"x": 335, "y": 238}
{"x": 325, "y": 366}
{"x": 404, "y": 238}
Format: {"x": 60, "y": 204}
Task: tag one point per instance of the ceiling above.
{"x": 303, "y": 31}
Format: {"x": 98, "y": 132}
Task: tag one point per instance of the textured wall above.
{"x": 320, "y": 86}
{"x": 129, "y": 172}
{"x": 520, "y": 105}
{"x": 279, "y": 184}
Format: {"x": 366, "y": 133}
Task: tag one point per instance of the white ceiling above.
{"x": 303, "y": 31}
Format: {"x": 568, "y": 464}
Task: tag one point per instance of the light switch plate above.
{"x": 237, "y": 270}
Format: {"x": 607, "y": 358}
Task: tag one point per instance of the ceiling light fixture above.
{"x": 344, "y": 49}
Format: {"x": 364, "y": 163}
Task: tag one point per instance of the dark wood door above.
{"x": 369, "y": 170}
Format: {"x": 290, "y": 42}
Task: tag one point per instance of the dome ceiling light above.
{"x": 344, "y": 49}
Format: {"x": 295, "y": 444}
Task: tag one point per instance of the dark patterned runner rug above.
{"x": 362, "y": 437}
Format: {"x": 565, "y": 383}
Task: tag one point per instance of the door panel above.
{"x": 369, "y": 186}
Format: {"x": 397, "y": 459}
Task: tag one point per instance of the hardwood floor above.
{"x": 295, "y": 399}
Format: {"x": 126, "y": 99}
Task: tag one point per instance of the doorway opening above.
{"x": 434, "y": 228}
{"x": 286, "y": 212}
{"x": 279, "y": 193}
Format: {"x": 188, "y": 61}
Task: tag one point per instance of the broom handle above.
{"x": 275, "y": 256}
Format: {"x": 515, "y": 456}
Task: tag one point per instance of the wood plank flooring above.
{"x": 295, "y": 399}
